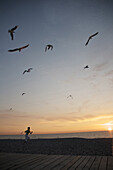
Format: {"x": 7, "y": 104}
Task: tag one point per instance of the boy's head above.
{"x": 28, "y": 128}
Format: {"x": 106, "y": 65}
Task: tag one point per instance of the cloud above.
{"x": 7, "y": 114}
{"x": 109, "y": 73}
{"x": 84, "y": 105}
{"x": 74, "y": 119}
{"x": 91, "y": 77}
{"x": 64, "y": 118}
{"x": 108, "y": 123}
{"x": 100, "y": 67}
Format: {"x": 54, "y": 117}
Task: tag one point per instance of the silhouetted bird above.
{"x": 18, "y": 49}
{"x": 10, "y": 109}
{"x": 86, "y": 67}
{"x": 91, "y": 38}
{"x": 27, "y": 70}
{"x": 11, "y": 31}
{"x": 70, "y": 96}
{"x": 48, "y": 47}
{"x": 23, "y": 94}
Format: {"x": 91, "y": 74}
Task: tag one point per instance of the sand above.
{"x": 59, "y": 146}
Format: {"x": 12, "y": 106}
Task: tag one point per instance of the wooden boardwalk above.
{"x": 18, "y": 161}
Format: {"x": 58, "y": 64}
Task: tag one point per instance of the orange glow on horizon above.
{"x": 57, "y": 132}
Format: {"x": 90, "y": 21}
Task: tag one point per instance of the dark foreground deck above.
{"x": 54, "y": 162}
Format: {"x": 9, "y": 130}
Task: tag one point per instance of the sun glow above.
{"x": 110, "y": 129}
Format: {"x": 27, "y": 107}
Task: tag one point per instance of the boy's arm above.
{"x": 31, "y": 132}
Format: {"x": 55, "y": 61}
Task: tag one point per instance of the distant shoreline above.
{"x": 59, "y": 146}
{"x": 91, "y": 135}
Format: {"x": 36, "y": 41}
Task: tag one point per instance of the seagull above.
{"x": 91, "y": 38}
{"x": 70, "y": 96}
{"x": 23, "y": 94}
{"x": 27, "y": 70}
{"x": 11, "y": 31}
{"x": 48, "y": 47}
{"x": 86, "y": 67}
{"x": 18, "y": 49}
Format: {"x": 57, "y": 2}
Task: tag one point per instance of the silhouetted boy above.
{"x": 27, "y": 133}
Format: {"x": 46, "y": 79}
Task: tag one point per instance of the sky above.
{"x": 57, "y": 73}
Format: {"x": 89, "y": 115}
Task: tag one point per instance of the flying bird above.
{"x": 10, "y": 109}
{"x": 86, "y": 67}
{"x": 11, "y": 31}
{"x": 18, "y": 49}
{"x": 91, "y": 38}
{"x": 27, "y": 70}
{"x": 23, "y": 94}
{"x": 70, "y": 96}
{"x": 48, "y": 47}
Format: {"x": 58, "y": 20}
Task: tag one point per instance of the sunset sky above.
{"x": 56, "y": 74}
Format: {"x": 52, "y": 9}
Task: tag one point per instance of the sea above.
{"x": 89, "y": 135}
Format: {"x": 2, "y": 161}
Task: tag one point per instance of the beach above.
{"x": 58, "y": 146}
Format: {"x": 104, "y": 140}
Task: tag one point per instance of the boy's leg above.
{"x": 26, "y": 137}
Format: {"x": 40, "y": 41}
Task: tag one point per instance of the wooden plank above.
{"x": 89, "y": 163}
{"x": 75, "y": 159}
{"x": 34, "y": 161}
{"x": 96, "y": 163}
{"x": 26, "y": 162}
{"x": 83, "y": 163}
{"x": 76, "y": 164}
{"x": 46, "y": 164}
{"x": 103, "y": 163}
{"x": 10, "y": 157}
{"x": 41, "y": 162}
{"x": 22, "y": 160}
{"x": 65, "y": 163}
{"x": 55, "y": 163}
{"x": 110, "y": 163}
{"x": 24, "y": 165}
{"x": 61, "y": 164}
{"x": 11, "y": 161}
{"x": 2, "y": 154}
{"x": 37, "y": 164}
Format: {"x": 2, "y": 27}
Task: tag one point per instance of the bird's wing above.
{"x": 94, "y": 34}
{"x": 86, "y": 67}
{"x": 51, "y": 47}
{"x": 46, "y": 48}
{"x": 87, "y": 41}
{"x": 9, "y": 30}
{"x": 13, "y": 50}
{"x": 24, "y": 71}
{"x": 24, "y": 46}
{"x": 71, "y": 96}
{"x": 11, "y": 35}
{"x": 68, "y": 96}
{"x": 14, "y": 28}
{"x": 30, "y": 69}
